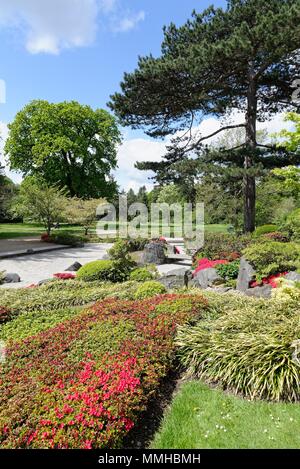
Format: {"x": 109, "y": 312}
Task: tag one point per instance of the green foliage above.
{"x": 40, "y": 202}
{"x": 149, "y": 289}
{"x": 60, "y": 294}
{"x": 83, "y": 212}
{"x": 123, "y": 262}
{"x": 272, "y": 257}
{"x": 67, "y": 238}
{"x": 33, "y": 322}
{"x": 141, "y": 274}
{"x": 292, "y": 225}
{"x": 68, "y": 144}
{"x": 108, "y": 270}
{"x": 292, "y": 142}
{"x": 222, "y": 246}
{"x": 261, "y": 230}
{"x": 229, "y": 271}
{"x": 252, "y": 350}
{"x": 170, "y": 194}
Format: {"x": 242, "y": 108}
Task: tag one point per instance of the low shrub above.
{"x": 277, "y": 236}
{"x": 108, "y": 270}
{"x": 111, "y": 361}
{"x": 264, "y": 229}
{"x": 271, "y": 257}
{"x": 222, "y": 246}
{"x": 66, "y": 238}
{"x": 141, "y": 274}
{"x": 252, "y": 350}
{"x": 287, "y": 290}
{"x": 60, "y": 294}
{"x": 149, "y": 289}
{"x": 5, "y": 315}
{"x": 31, "y": 323}
{"x": 229, "y": 271}
{"x": 292, "y": 225}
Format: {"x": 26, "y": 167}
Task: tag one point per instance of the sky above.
{"x": 79, "y": 50}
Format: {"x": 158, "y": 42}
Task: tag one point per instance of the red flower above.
{"x": 208, "y": 264}
{"x": 65, "y": 276}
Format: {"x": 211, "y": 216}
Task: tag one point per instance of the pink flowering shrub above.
{"x": 205, "y": 263}
{"x": 271, "y": 280}
{"x": 64, "y": 276}
{"x": 83, "y": 383}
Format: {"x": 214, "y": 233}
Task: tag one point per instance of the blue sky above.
{"x": 78, "y": 50}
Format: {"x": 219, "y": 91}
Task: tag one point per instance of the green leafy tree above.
{"x": 170, "y": 194}
{"x": 83, "y": 212}
{"x": 68, "y": 144}
{"x": 244, "y": 57}
{"x": 40, "y": 202}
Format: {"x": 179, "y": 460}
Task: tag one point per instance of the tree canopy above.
{"x": 67, "y": 144}
{"x": 245, "y": 57}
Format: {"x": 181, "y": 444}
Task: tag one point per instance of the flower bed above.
{"x": 271, "y": 280}
{"x": 83, "y": 383}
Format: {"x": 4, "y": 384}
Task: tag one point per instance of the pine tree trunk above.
{"x": 249, "y": 180}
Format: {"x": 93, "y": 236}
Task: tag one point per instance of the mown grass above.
{"x": 201, "y": 417}
{"x": 18, "y": 230}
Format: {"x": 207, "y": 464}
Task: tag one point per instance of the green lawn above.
{"x": 17, "y": 230}
{"x": 201, "y": 417}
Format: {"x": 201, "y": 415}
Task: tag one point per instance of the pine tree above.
{"x": 245, "y": 57}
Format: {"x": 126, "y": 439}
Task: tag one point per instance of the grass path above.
{"x": 201, "y": 417}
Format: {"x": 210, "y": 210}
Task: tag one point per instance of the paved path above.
{"x": 21, "y": 245}
{"x": 36, "y": 267}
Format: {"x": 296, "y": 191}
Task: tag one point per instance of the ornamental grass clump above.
{"x": 253, "y": 350}
{"x": 83, "y": 383}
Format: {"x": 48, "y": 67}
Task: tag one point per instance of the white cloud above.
{"x": 49, "y": 26}
{"x": 128, "y": 22}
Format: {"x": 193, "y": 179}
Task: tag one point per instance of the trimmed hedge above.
{"x": 83, "y": 383}
{"x": 141, "y": 275}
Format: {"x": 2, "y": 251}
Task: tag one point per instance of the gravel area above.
{"x": 36, "y": 267}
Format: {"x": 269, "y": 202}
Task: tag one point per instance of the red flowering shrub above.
{"x": 64, "y": 276}
{"x": 83, "y": 383}
{"x": 46, "y": 238}
{"x": 271, "y": 280}
{"x": 5, "y": 314}
{"x": 207, "y": 264}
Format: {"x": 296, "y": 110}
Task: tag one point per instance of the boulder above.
{"x": 177, "y": 278}
{"x": 206, "y": 278}
{"x": 74, "y": 267}
{"x": 43, "y": 282}
{"x": 293, "y": 276}
{"x": 12, "y": 278}
{"x": 154, "y": 253}
{"x": 246, "y": 274}
{"x": 260, "y": 292}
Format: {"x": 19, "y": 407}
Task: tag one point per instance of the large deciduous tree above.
{"x": 67, "y": 144}
{"x": 245, "y": 57}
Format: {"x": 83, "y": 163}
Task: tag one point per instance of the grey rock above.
{"x": 12, "y": 278}
{"x": 260, "y": 292}
{"x": 206, "y": 278}
{"x": 293, "y": 276}
{"x": 74, "y": 267}
{"x": 30, "y": 251}
{"x": 177, "y": 278}
{"x": 154, "y": 253}
{"x": 43, "y": 282}
{"x": 246, "y": 274}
